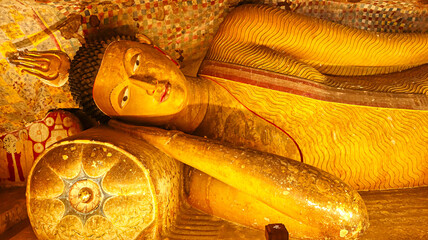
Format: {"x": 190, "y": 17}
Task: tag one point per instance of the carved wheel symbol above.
{"x": 81, "y": 190}
{"x": 85, "y": 196}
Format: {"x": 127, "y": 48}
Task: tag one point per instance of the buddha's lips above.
{"x": 164, "y": 95}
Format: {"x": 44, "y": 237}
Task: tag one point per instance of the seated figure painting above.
{"x": 287, "y": 118}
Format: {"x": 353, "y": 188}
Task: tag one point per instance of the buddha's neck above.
{"x": 205, "y": 104}
{"x": 192, "y": 115}
{"x": 220, "y": 104}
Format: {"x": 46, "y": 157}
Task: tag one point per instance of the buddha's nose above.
{"x": 146, "y": 82}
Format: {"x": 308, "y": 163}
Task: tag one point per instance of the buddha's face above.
{"x": 140, "y": 83}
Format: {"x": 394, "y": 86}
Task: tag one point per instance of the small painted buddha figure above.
{"x": 283, "y": 84}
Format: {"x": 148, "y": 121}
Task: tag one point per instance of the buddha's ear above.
{"x": 143, "y": 39}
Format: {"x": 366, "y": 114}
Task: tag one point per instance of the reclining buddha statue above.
{"x": 274, "y": 86}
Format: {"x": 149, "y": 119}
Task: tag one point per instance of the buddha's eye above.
{"x": 124, "y": 97}
{"x": 136, "y": 64}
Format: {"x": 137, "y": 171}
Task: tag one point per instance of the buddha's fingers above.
{"x": 30, "y": 66}
{"x": 38, "y": 56}
{"x": 41, "y": 74}
{"x": 26, "y": 59}
{"x": 48, "y": 56}
{"x": 35, "y": 54}
{"x": 29, "y": 60}
{"x": 50, "y": 66}
{"x": 26, "y": 64}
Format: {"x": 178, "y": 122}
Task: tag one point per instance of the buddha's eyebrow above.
{"x": 145, "y": 78}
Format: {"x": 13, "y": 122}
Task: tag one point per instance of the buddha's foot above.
{"x": 101, "y": 189}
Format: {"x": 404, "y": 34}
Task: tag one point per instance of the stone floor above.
{"x": 394, "y": 214}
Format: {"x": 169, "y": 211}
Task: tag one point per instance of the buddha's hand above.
{"x": 50, "y": 66}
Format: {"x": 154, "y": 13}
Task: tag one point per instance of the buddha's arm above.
{"x": 328, "y": 47}
{"x": 262, "y": 57}
{"x": 302, "y": 192}
{"x": 219, "y": 199}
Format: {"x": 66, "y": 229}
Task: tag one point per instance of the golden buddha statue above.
{"x": 268, "y": 85}
{"x": 340, "y": 125}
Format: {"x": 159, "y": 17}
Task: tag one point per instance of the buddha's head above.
{"x": 139, "y": 83}
{"x": 126, "y": 79}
